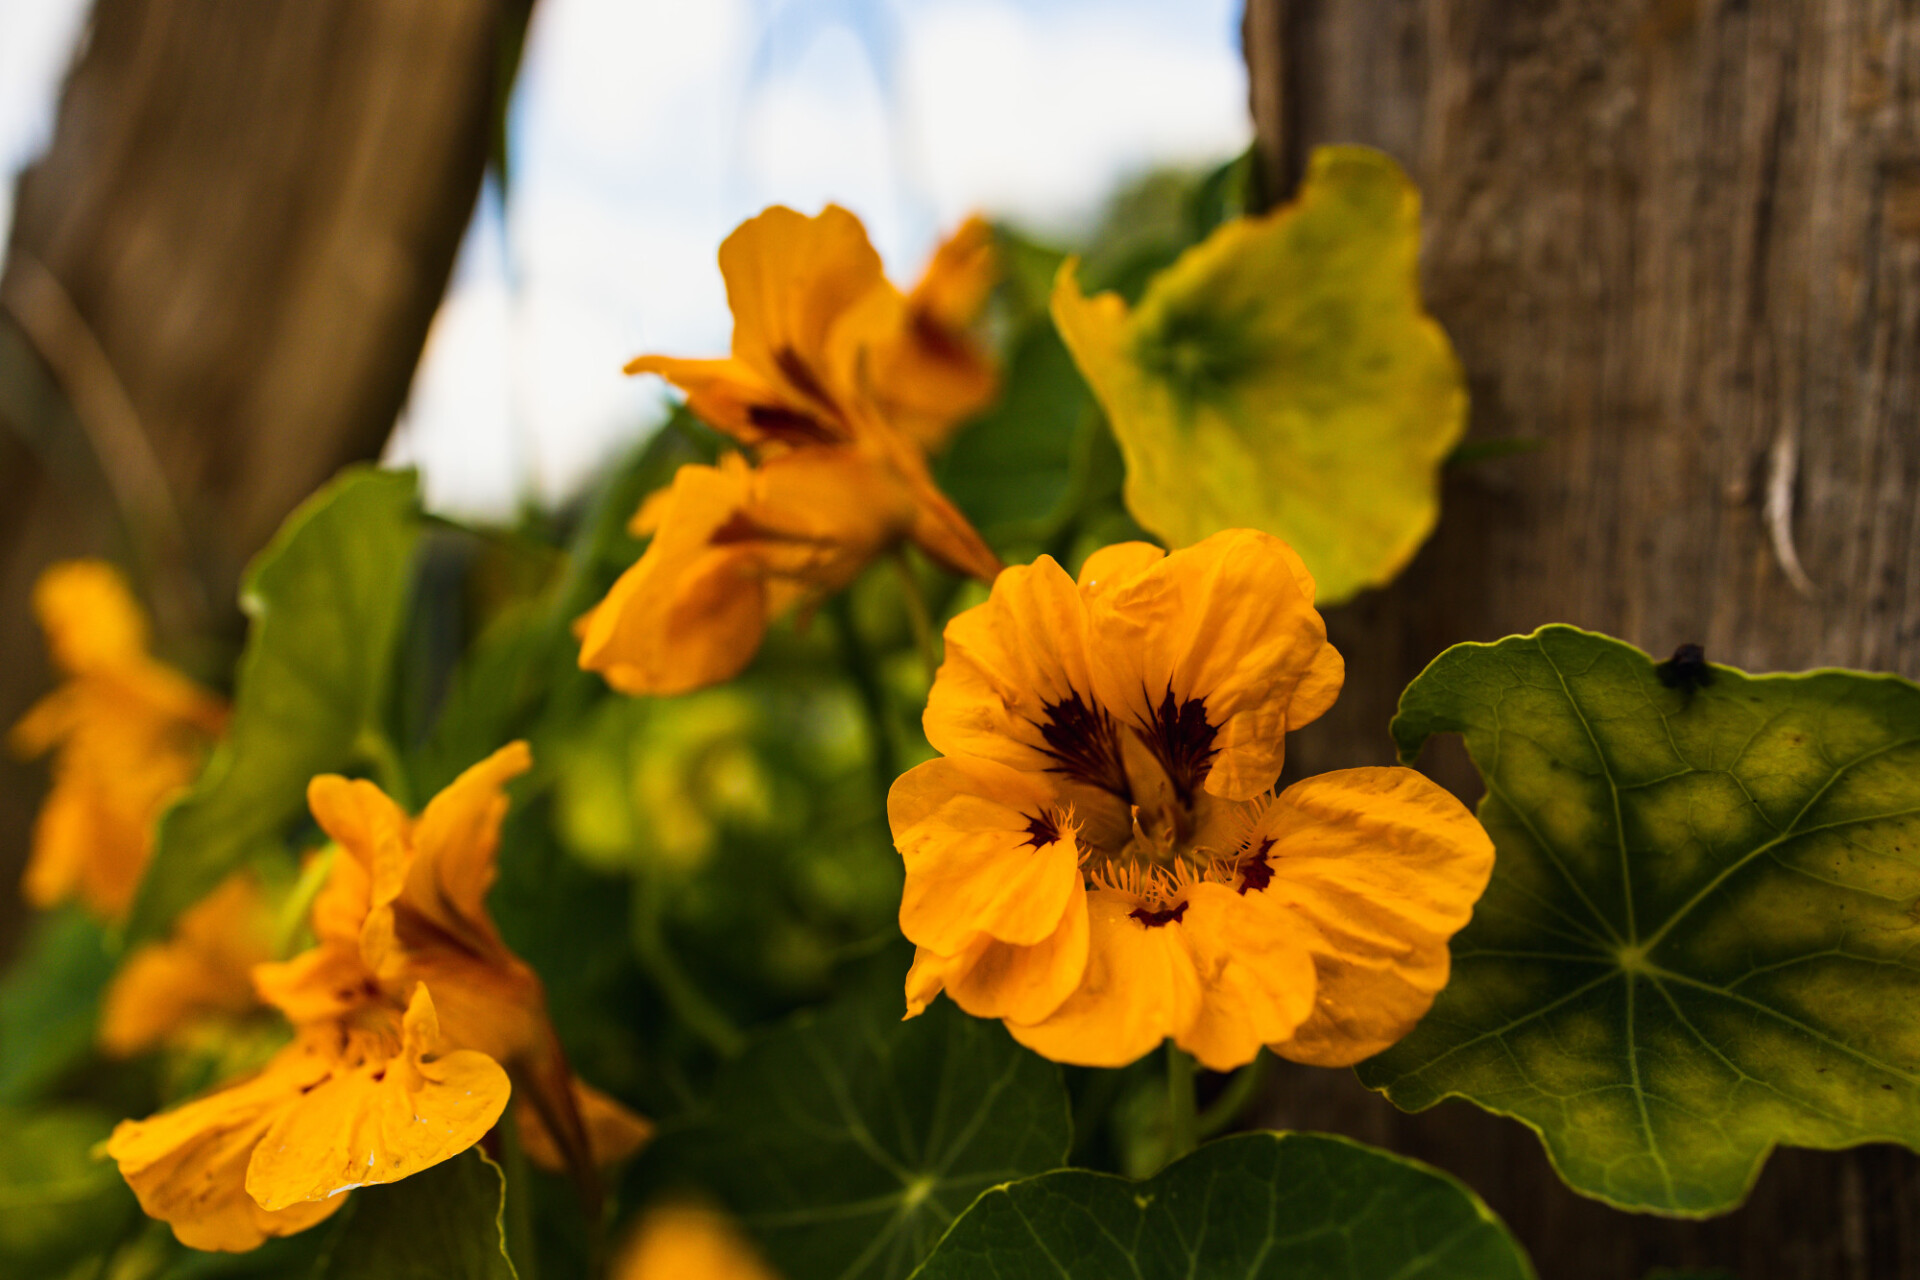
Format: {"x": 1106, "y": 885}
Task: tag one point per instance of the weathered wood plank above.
{"x": 224, "y": 267}
{"x": 1678, "y": 245}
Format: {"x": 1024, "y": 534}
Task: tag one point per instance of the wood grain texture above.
{"x": 218, "y": 282}
{"x": 1677, "y": 244}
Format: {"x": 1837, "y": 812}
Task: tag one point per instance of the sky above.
{"x": 642, "y": 131}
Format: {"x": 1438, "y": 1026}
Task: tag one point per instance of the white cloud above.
{"x": 38, "y": 39}
{"x": 1036, "y": 114}
{"x": 644, "y": 130}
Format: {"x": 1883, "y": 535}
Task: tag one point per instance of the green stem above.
{"x": 861, "y": 665}
{"x": 1233, "y": 1100}
{"x": 375, "y": 748}
{"x": 293, "y": 912}
{"x": 917, "y": 614}
{"x": 519, "y": 1207}
{"x": 1182, "y": 1129}
{"x": 688, "y": 1002}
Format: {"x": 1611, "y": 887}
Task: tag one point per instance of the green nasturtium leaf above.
{"x": 1282, "y": 375}
{"x": 326, "y": 598}
{"x": 49, "y": 1001}
{"x": 1011, "y": 468}
{"x": 57, "y": 1203}
{"x": 444, "y": 1222}
{"x": 1702, "y": 938}
{"x": 1296, "y": 1206}
{"x": 848, "y": 1140}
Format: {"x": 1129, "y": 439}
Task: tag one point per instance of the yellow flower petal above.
{"x": 379, "y": 1121}
{"x": 188, "y": 1166}
{"x": 90, "y": 617}
{"x": 1227, "y": 624}
{"x": 201, "y": 972}
{"x": 341, "y": 906}
{"x": 986, "y": 852}
{"x": 789, "y": 279}
{"x": 1110, "y": 566}
{"x": 1011, "y": 665}
{"x": 736, "y": 547}
{"x": 93, "y": 834}
{"x": 1386, "y": 866}
{"x": 494, "y": 1004}
{"x": 1023, "y": 984}
{"x": 839, "y": 384}
{"x": 682, "y": 617}
{"x": 927, "y": 977}
{"x": 1256, "y": 973}
{"x": 613, "y": 1132}
{"x": 926, "y": 370}
{"x": 455, "y": 841}
{"x": 729, "y": 396}
{"x": 955, "y": 283}
{"x": 938, "y": 528}
{"x": 422, "y": 887}
{"x": 376, "y": 833}
{"x": 1281, "y": 375}
{"x": 688, "y": 1242}
{"x": 128, "y": 733}
{"x": 1141, "y": 986}
{"x": 321, "y": 983}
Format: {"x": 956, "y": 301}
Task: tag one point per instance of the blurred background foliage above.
{"x": 681, "y": 872}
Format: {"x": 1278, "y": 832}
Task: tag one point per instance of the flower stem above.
{"x": 688, "y": 1002}
{"x": 862, "y": 668}
{"x": 1183, "y": 1133}
{"x": 917, "y": 614}
{"x": 1240, "y": 1091}
{"x": 299, "y": 901}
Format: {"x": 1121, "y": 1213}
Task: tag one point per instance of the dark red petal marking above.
{"x": 1182, "y": 741}
{"x": 790, "y": 425}
{"x": 801, "y": 375}
{"x": 1154, "y": 919}
{"x": 1043, "y": 831}
{"x": 938, "y": 340}
{"x": 1255, "y": 871}
{"x": 1083, "y": 744}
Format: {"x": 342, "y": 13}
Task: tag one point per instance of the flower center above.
{"x": 1147, "y": 825}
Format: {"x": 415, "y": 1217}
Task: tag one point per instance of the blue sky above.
{"x": 642, "y": 131}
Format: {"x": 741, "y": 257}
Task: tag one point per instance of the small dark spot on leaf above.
{"x": 1687, "y": 670}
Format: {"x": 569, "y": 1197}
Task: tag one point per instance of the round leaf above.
{"x": 848, "y": 1140}
{"x": 1699, "y": 941}
{"x": 326, "y": 599}
{"x": 443, "y": 1222}
{"x": 1293, "y": 1205}
{"x": 58, "y": 1204}
{"x": 1282, "y": 375}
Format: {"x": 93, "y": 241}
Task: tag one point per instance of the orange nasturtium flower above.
{"x": 127, "y": 733}
{"x": 200, "y": 976}
{"x": 839, "y": 384}
{"x": 688, "y": 1241}
{"x": 1099, "y": 860}
{"x": 407, "y": 1013}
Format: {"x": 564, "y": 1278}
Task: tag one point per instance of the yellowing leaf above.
{"x": 1282, "y": 375}
{"x": 1699, "y": 942}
